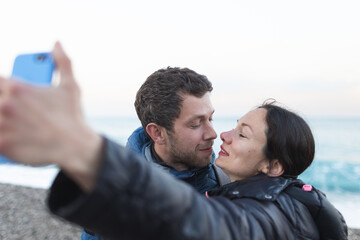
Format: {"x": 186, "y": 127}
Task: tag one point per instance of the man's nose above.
{"x": 210, "y": 133}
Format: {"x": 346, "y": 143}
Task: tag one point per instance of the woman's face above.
{"x": 241, "y": 153}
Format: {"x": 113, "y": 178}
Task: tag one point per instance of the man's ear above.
{"x": 276, "y": 169}
{"x": 156, "y": 133}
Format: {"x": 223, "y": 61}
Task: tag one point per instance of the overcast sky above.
{"x": 305, "y": 54}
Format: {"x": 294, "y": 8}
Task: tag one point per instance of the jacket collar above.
{"x": 260, "y": 187}
{"x": 138, "y": 140}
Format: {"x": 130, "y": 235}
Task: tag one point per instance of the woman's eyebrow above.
{"x": 247, "y": 125}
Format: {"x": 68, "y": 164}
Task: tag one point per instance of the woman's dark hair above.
{"x": 289, "y": 139}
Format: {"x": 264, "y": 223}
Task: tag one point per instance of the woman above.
{"x": 262, "y": 156}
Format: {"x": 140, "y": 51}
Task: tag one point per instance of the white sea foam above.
{"x": 40, "y": 177}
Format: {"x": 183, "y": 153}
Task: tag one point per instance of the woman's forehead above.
{"x": 255, "y": 116}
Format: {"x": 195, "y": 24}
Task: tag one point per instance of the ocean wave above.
{"x": 333, "y": 176}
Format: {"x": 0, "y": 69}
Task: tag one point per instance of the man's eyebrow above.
{"x": 201, "y": 116}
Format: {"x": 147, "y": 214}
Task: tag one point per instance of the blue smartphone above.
{"x": 36, "y": 69}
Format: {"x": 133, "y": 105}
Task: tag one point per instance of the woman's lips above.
{"x": 223, "y": 152}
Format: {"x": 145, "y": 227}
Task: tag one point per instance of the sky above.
{"x": 305, "y": 54}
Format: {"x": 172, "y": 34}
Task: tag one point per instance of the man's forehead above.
{"x": 196, "y": 107}
{"x": 192, "y": 99}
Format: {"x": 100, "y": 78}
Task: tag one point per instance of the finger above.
{"x": 9, "y": 87}
{"x": 63, "y": 64}
{"x": 3, "y": 84}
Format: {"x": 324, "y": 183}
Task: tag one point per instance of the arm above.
{"x": 133, "y": 199}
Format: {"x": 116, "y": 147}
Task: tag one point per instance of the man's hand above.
{"x": 45, "y": 125}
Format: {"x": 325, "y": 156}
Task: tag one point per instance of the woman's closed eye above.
{"x": 242, "y": 135}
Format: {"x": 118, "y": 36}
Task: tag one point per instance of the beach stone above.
{"x": 24, "y": 215}
{"x": 354, "y": 234}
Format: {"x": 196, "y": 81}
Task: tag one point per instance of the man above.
{"x": 177, "y": 135}
{"x": 175, "y": 110}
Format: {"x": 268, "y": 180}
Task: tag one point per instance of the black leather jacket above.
{"x": 290, "y": 211}
{"x": 146, "y": 203}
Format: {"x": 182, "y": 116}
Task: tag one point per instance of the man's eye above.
{"x": 195, "y": 126}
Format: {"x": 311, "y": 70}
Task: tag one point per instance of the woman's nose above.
{"x": 226, "y": 136}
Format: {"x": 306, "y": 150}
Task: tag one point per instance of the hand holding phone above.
{"x": 36, "y": 69}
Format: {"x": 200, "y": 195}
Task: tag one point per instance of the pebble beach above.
{"x": 24, "y": 215}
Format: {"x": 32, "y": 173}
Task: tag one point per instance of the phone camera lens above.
{"x": 41, "y": 57}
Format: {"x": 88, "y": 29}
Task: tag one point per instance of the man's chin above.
{"x": 205, "y": 162}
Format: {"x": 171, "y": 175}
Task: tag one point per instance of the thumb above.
{"x": 63, "y": 65}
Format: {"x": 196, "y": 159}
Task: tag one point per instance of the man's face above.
{"x": 190, "y": 143}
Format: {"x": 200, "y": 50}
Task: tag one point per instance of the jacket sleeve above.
{"x": 135, "y": 200}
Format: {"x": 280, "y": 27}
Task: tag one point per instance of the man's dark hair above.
{"x": 159, "y": 99}
{"x": 289, "y": 139}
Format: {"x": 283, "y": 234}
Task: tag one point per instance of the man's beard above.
{"x": 188, "y": 158}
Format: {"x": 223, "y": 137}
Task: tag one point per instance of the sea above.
{"x": 335, "y": 170}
